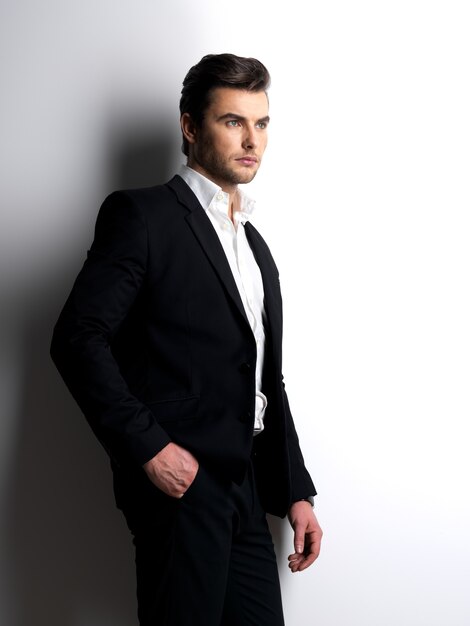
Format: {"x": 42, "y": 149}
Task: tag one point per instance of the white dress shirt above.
{"x": 242, "y": 262}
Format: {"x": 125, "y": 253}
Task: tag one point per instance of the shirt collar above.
{"x": 207, "y": 192}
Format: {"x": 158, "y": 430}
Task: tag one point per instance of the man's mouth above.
{"x": 247, "y": 160}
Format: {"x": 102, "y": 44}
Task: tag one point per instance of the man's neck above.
{"x": 231, "y": 190}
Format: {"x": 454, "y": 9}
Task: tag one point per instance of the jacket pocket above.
{"x": 174, "y": 408}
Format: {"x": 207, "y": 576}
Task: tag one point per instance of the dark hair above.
{"x": 219, "y": 70}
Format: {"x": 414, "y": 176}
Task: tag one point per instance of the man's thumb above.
{"x": 299, "y": 540}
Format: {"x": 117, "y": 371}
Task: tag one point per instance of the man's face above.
{"x": 229, "y": 146}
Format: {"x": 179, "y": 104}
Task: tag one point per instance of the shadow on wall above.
{"x": 139, "y": 157}
{"x": 70, "y": 557}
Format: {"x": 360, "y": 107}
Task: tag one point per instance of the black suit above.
{"x": 155, "y": 346}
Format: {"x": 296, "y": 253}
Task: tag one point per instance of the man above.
{"x": 170, "y": 341}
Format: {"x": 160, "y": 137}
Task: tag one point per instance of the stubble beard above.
{"x": 219, "y": 169}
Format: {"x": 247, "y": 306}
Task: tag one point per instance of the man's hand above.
{"x": 307, "y": 536}
{"x": 172, "y": 470}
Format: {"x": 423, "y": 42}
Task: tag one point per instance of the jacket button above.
{"x": 246, "y": 417}
{"x": 245, "y": 368}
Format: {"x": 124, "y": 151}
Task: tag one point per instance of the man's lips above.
{"x": 247, "y": 160}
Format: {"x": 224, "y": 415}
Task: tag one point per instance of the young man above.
{"x": 170, "y": 341}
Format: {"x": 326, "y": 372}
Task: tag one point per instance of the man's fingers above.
{"x": 315, "y": 542}
{"x": 295, "y": 562}
{"x": 172, "y": 470}
{"x": 299, "y": 561}
{"x": 307, "y": 561}
{"x": 299, "y": 538}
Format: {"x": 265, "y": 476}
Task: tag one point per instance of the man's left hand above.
{"x": 307, "y": 536}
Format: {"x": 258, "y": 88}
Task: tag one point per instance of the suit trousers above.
{"x": 206, "y": 559}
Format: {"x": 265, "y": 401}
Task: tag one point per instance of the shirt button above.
{"x": 220, "y": 196}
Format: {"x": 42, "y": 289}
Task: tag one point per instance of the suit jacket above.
{"x": 154, "y": 344}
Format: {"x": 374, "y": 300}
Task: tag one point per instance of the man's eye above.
{"x": 232, "y": 123}
{"x": 261, "y": 125}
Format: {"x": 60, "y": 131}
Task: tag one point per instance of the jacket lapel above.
{"x": 208, "y": 239}
{"x": 270, "y": 276}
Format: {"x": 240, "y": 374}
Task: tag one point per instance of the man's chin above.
{"x": 246, "y": 176}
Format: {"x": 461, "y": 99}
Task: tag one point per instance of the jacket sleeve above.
{"x": 302, "y": 486}
{"x": 101, "y": 297}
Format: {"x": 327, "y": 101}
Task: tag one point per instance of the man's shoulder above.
{"x": 162, "y": 191}
{"x": 153, "y": 201}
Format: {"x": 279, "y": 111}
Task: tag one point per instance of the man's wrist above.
{"x": 308, "y": 499}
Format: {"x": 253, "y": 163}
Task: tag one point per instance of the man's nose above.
{"x": 249, "y": 140}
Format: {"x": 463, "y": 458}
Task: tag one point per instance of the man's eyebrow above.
{"x": 235, "y": 116}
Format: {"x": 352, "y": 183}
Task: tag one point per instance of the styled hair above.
{"x": 219, "y": 70}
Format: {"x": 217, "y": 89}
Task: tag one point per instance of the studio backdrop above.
{"x": 363, "y": 197}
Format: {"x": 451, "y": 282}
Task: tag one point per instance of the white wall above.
{"x": 364, "y": 199}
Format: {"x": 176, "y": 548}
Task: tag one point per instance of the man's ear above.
{"x": 188, "y": 128}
